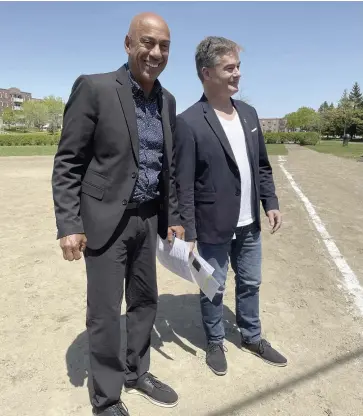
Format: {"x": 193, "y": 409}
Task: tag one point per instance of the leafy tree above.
{"x": 55, "y": 109}
{"x": 35, "y": 114}
{"x": 345, "y": 112}
{"x": 9, "y": 117}
{"x": 305, "y": 119}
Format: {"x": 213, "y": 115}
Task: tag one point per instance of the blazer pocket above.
{"x": 94, "y": 184}
{"x": 91, "y": 190}
{"x": 207, "y": 197}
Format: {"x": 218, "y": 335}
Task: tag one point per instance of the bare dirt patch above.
{"x": 43, "y": 355}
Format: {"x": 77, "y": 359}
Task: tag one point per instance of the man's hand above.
{"x": 72, "y": 246}
{"x": 191, "y": 246}
{"x": 178, "y": 230}
{"x": 275, "y": 219}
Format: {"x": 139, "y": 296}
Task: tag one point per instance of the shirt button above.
{"x": 133, "y": 175}
{"x": 238, "y": 193}
{"x": 124, "y": 202}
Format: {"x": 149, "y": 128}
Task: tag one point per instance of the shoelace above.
{"x": 154, "y": 381}
{"x": 263, "y": 345}
{"x": 213, "y": 347}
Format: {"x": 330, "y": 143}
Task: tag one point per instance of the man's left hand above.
{"x": 178, "y": 230}
{"x": 275, "y": 219}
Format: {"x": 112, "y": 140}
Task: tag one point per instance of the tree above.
{"x": 345, "y": 113}
{"x": 9, "y": 117}
{"x": 355, "y": 96}
{"x": 55, "y": 109}
{"x": 292, "y": 121}
{"x": 35, "y": 114}
{"x": 324, "y": 107}
{"x": 305, "y": 118}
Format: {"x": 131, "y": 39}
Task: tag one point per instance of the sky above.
{"x": 295, "y": 53}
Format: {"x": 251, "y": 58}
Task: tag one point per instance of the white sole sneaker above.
{"x": 146, "y": 396}
{"x": 266, "y": 361}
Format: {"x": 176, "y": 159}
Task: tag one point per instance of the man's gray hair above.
{"x": 210, "y": 50}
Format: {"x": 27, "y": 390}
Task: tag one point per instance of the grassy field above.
{"x": 273, "y": 149}
{"x": 276, "y": 149}
{"x": 27, "y": 150}
{"x": 334, "y": 147}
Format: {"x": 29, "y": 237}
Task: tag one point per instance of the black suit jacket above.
{"x": 207, "y": 175}
{"x": 96, "y": 165}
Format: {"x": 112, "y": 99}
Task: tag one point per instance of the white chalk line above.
{"x": 350, "y": 280}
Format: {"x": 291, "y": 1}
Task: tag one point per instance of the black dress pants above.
{"x": 128, "y": 260}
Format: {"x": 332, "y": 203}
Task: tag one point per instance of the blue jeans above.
{"x": 245, "y": 255}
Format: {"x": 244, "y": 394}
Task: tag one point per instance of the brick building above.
{"x": 273, "y": 124}
{"x": 13, "y": 98}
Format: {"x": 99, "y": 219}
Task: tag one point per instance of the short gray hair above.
{"x": 210, "y": 50}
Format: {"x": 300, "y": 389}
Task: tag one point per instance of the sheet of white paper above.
{"x": 175, "y": 257}
{"x": 202, "y": 273}
{"x": 193, "y": 268}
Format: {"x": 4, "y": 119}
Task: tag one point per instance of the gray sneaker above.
{"x": 118, "y": 409}
{"x": 154, "y": 390}
{"x": 216, "y": 358}
{"x": 264, "y": 350}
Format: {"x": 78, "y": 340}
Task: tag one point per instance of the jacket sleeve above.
{"x": 174, "y": 217}
{"x": 185, "y": 176}
{"x": 73, "y": 156}
{"x": 267, "y": 187}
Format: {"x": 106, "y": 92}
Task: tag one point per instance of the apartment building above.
{"x": 273, "y": 124}
{"x": 13, "y": 98}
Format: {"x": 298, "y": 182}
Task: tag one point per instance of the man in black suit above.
{"x": 114, "y": 190}
{"x": 222, "y": 173}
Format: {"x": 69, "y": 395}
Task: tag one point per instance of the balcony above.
{"x": 18, "y": 100}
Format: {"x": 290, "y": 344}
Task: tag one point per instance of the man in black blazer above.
{"x": 114, "y": 190}
{"x": 222, "y": 174}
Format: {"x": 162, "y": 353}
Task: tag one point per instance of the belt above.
{"x": 137, "y": 205}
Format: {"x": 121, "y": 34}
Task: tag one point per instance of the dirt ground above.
{"x": 304, "y": 311}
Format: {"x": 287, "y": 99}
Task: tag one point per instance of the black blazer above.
{"x": 96, "y": 165}
{"x": 207, "y": 175}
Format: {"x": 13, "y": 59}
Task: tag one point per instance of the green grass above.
{"x": 276, "y": 149}
{"x": 27, "y": 150}
{"x": 335, "y": 147}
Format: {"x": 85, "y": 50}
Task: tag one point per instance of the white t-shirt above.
{"x": 236, "y": 137}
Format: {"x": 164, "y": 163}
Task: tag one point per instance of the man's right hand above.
{"x": 191, "y": 247}
{"x": 72, "y": 246}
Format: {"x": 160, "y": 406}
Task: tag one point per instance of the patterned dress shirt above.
{"x": 151, "y": 141}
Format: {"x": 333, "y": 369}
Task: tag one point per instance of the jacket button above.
{"x": 238, "y": 193}
{"x": 133, "y": 175}
{"x": 124, "y": 202}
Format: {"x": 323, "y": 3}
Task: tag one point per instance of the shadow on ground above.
{"x": 178, "y": 317}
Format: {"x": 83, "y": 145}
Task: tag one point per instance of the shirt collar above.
{"x": 137, "y": 91}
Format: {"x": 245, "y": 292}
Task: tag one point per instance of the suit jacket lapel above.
{"x": 166, "y": 128}
{"x": 128, "y": 106}
{"x": 216, "y": 126}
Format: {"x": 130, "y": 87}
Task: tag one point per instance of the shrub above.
{"x": 29, "y": 139}
{"x": 302, "y": 138}
{"x": 309, "y": 138}
{"x": 272, "y": 138}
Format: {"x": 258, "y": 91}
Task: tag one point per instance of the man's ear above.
{"x": 206, "y": 73}
{"x": 127, "y": 44}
